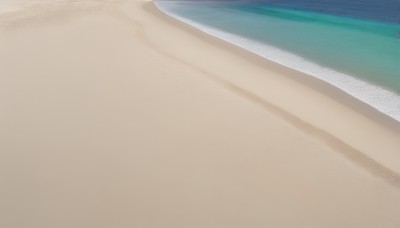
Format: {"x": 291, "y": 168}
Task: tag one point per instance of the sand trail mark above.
{"x": 352, "y": 154}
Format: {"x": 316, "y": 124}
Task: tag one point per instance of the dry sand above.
{"x": 113, "y": 115}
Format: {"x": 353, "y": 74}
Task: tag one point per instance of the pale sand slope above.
{"x": 112, "y": 117}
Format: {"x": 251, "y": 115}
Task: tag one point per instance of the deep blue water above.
{"x": 378, "y": 10}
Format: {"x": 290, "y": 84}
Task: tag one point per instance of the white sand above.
{"x": 112, "y": 115}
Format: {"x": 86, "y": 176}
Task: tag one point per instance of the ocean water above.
{"x": 353, "y": 45}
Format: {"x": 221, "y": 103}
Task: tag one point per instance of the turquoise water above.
{"x": 359, "y": 56}
{"x": 364, "y": 48}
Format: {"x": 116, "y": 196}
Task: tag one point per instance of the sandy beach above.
{"x": 113, "y": 114}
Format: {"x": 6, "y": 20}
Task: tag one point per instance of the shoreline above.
{"x": 309, "y": 80}
{"x": 322, "y": 88}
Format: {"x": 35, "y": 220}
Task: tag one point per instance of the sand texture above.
{"x": 114, "y": 115}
